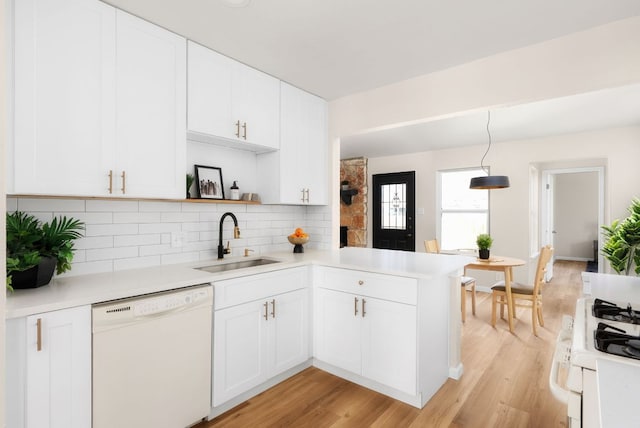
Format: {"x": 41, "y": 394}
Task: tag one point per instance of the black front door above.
{"x": 394, "y": 211}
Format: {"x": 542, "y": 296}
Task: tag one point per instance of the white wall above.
{"x": 3, "y": 244}
{"x": 575, "y": 215}
{"x": 131, "y": 234}
{"x": 509, "y": 223}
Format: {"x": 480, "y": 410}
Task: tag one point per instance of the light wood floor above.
{"x": 505, "y": 382}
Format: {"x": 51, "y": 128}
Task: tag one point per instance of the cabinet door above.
{"x": 256, "y": 103}
{"x": 239, "y": 350}
{"x": 58, "y": 386}
{"x": 337, "y": 329}
{"x": 303, "y": 147}
{"x": 289, "y": 330}
{"x": 151, "y": 109}
{"x": 389, "y": 343}
{"x": 64, "y": 96}
{"x": 209, "y": 92}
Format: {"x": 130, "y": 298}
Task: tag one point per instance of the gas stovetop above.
{"x": 616, "y": 341}
{"x": 612, "y": 312}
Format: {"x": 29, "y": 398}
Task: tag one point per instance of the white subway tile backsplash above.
{"x": 159, "y": 206}
{"x": 94, "y": 242}
{"x": 87, "y": 217}
{"x": 12, "y": 204}
{"x": 111, "y": 253}
{"x": 128, "y": 234}
{"x": 152, "y": 250}
{"x": 135, "y": 217}
{"x": 112, "y": 206}
{"x": 136, "y": 262}
{"x": 178, "y": 217}
{"x": 50, "y": 205}
{"x": 110, "y": 229}
{"x": 160, "y": 228}
{"x": 180, "y": 258}
{"x": 131, "y": 240}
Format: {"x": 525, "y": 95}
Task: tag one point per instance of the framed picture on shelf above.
{"x": 209, "y": 182}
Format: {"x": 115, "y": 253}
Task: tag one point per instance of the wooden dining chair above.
{"x": 467, "y": 282}
{"x": 524, "y": 296}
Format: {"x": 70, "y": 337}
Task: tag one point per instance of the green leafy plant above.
{"x": 484, "y": 241}
{"x": 622, "y": 247}
{"x": 28, "y": 241}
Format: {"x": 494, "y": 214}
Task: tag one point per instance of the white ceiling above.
{"x": 335, "y": 48}
{"x": 585, "y": 112}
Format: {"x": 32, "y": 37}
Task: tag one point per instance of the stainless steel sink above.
{"x": 223, "y": 267}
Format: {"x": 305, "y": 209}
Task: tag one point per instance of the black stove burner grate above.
{"x": 615, "y": 341}
{"x": 612, "y": 312}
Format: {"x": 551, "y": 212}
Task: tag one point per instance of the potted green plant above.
{"x": 484, "y": 242}
{"x": 622, "y": 247}
{"x": 35, "y": 249}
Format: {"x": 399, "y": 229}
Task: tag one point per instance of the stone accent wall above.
{"x": 354, "y": 216}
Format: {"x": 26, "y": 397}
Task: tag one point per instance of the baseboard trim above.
{"x": 574, "y": 259}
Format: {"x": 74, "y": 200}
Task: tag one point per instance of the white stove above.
{"x": 576, "y": 349}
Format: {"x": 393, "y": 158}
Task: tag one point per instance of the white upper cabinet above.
{"x": 297, "y": 174}
{"x": 97, "y": 94}
{"x": 64, "y": 96}
{"x": 230, "y": 103}
{"x": 151, "y": 109}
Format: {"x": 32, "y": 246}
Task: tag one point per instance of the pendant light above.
{"x": 488, "y": 181}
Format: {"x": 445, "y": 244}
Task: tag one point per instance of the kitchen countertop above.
{"x": 71, "y": 291}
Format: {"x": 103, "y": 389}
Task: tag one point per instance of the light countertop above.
{"x": 71, "y": 291}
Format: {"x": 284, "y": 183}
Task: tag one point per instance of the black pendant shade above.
{"x": 489, "y": 182}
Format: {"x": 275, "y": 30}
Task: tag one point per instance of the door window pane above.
{"x": 394, "y": 206}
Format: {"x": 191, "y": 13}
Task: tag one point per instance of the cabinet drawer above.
{"x": 388, "y": 287}
{"x": 235, "y": 291}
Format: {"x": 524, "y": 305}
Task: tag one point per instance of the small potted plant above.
{"x": 484, "y": 242}
{"x": 35, "y": 250}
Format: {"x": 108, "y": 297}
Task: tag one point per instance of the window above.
{"x": 464, "y": 212}
{"x": 393, "y": 206}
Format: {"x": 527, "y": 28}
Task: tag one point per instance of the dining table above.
{"x": 499, "y": 264}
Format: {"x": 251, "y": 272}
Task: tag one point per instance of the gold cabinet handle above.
{"x": 238, "y": 129}
{"x": 110, "y": 181}
{"x": 355, "y": 306}
{"x": 39, "y": 335}
{"x": 266, "y": 310}
{"x": 244, "y": 130}
{"x": 364, "y": 312}
{"x": 124, "y": 182}
{"x": 361, "y": 282}
{"x": 273, "y": 308}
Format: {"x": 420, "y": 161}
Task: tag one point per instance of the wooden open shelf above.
{"x": 120, "y": 198}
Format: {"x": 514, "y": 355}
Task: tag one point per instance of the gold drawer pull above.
{"x": 39, "y": 335}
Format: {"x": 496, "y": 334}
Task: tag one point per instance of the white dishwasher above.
{"x": 152, "y": 359}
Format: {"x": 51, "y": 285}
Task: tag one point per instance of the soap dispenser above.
{"x": 235, "y": 191}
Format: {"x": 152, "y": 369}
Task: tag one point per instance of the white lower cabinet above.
{"x": 370, "y": 337}
{"x": 49, "y": 384}
{"x": 259, "y": 339}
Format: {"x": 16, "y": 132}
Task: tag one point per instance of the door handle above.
{"x": 238, "y": 129}
{"x": 124, "y": 182}
{"x": 273, "y": 308}
{"x": 355, "y": 306}
{"x": 110, "y": 181}
{"x": 266, "y": 310}
{"x": 244, "y": 130}
{"x": 364, "y": 312}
